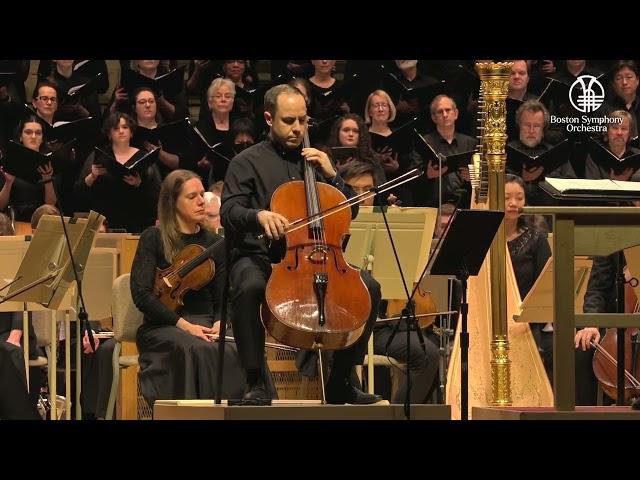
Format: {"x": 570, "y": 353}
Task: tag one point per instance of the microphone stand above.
{"x": 83, "y": 317}
{"x": 408, "y": 313}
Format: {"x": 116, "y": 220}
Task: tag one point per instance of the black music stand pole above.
{"x": 460, "y": 253}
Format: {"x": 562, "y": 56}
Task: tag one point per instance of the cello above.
{"x": 605, "y": 357}
{"x": 314, "y": 298}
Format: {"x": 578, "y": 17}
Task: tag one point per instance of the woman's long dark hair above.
{"x": 526, "y": 221}
{"x": 364, "y": 150}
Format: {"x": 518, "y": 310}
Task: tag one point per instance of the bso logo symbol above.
{"x": 586, "y": 94}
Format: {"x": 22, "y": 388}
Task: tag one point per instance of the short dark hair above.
{"x": 621, "y": 64}
{"x": 113, "y": 120}
{"x": 356, "y": 169}
{"x": 242, "y": 125}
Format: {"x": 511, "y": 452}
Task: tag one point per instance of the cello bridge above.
{"x": 318, "y": 254}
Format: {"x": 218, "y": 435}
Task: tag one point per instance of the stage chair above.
{"x": 126, "y": 320}
{"x": 372, "y": 360}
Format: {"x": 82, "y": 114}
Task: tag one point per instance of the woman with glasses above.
{"x": 25, "y": 197}
{"x": 45, "y": 101}
{"x": 216, "y": 129}
{"x": 201, "y": 73}
{"x": 85, "y": 104}
{"x": 171, "y": 105}
{"x": 378, "y": 114}
{"x": 146, "y": 111}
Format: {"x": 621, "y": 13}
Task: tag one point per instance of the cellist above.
{"x": 600, "y": 297}
{"x": 250, "y": 182}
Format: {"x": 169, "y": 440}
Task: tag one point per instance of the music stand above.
{"x": 376, "y": 236}
{"x": 537, "y": 306}
{"x": 461, "y": 252}
{"x": 46, "y": 271}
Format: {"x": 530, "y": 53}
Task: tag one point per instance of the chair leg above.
{"x": 115, "y": 363}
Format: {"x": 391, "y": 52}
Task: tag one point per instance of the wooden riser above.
{"x": 289, "y": 410}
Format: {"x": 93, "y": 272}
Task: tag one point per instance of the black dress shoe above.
{"x": 255, "y": 394}
{"x": 635, "y": 405}
{"x": 344, "y": 392}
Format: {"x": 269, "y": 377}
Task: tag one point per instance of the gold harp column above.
{"x": 495, "y": 85}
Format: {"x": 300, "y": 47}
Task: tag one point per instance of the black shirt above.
{"x": 529, "y": 253}
{"x": 251, "y": 179}
{"x": 149, "y": 256}
{"x": 424, "y": 190}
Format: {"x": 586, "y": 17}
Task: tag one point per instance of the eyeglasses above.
{"x": 145, "y": 101}
{"x": 359, "y": 190}
{"x": 226, "y": 96}
{"x": 30, "y": 133}
{"x": 383, "y": 106}
{"x": 46, "y": 99}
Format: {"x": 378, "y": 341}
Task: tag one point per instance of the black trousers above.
{"x": 97, "y": 375}
{"x": 424, "y": 363}
{"x": 15, "y": 401}
{"x": 248, "y": 277}
{"x": 586, "y": 382}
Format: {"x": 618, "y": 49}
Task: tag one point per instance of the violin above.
{"x": 423, "y": 306}
{"x": 314, "y": 299}
{"x": 191, "y": 269}
{"x": 605, "y": 357}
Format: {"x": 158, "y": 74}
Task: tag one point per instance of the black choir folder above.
{"x": 80, "y": 129}
{"x": 138, "y": 163}
{"x": 608, "y": 160}
{"x": 550, "y": 160}
{"x": 454, "y": 162}
{"x": 169, "y": 84}
{"x": 74, "y": 93}
{"x": 23, "y": 162}
{"x": 400, "y": 140}
{"x": 217, "y": 150}
{"x": 176, "y": 134}
{"x": 340, "y": 154}
{"x": 596, "y": 190}
{"x": 423, "y": 90}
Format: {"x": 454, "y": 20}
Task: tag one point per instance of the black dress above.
{"x": 529, "y": 253}
{"x": 173, "y": 363}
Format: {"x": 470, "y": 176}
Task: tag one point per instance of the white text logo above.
{"x": 586, "y": 94}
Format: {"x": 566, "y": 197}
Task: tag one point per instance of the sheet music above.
{"x": 563, "y": 185}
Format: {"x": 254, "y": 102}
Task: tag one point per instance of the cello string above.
{"x": 312, "y": 195}
{"x": 633, "y": 380}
